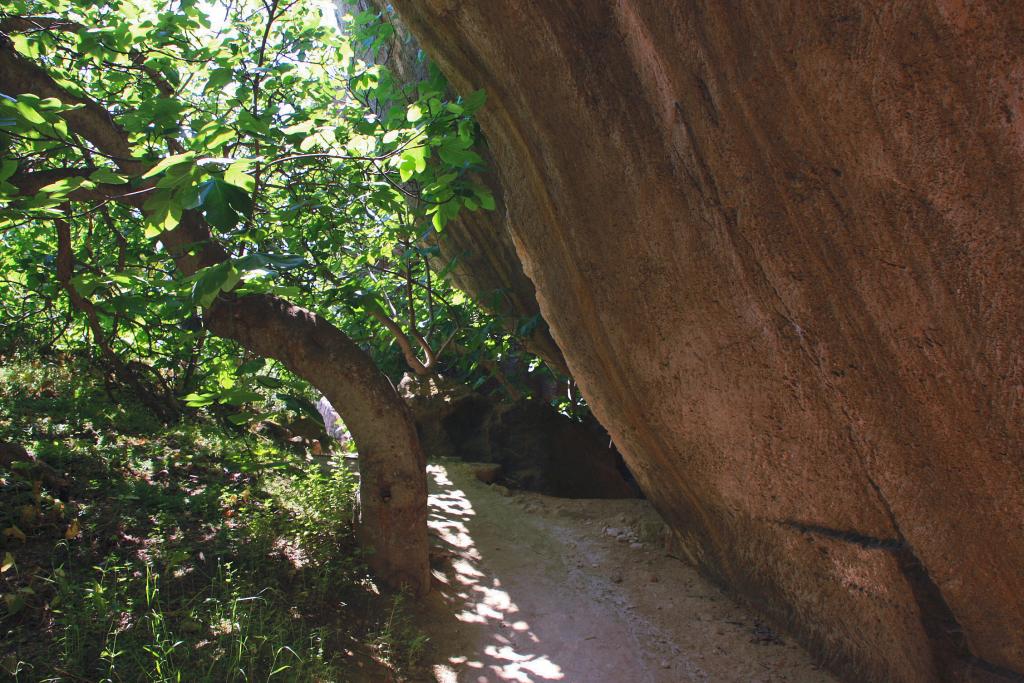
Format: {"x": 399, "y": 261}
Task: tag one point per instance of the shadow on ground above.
{"x": 530, "y": 588}
{"x": 479, "y": 609}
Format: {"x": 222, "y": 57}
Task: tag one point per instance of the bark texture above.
{"x": 780, "y": 246}
{"x": 393, "y": 485}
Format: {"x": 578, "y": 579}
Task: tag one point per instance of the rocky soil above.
{"x": 534, "y": 588}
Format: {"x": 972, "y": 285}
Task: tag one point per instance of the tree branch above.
{"x": 15, "y": 24}
{"x": 31, "y": 182}
{"x": 19, "y": 75}
{"x": 165, "y": 409}
{"x": 411, "y": 360}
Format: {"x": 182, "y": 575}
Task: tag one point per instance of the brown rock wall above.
{"x": 781, "y": 247}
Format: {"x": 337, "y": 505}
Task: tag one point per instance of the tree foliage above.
{"x": 315, "y": 177}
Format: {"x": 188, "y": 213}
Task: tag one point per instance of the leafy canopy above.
{"x": 317, "y": 173}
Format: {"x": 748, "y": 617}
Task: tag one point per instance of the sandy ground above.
{"x": 533, "y": 588}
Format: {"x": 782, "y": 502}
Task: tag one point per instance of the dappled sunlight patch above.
{"x": 478, "y": 599}
{"x": 519, "y": 666}
{"x": 291, "y": 551}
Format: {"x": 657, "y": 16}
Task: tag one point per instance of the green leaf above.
{"x": 474, "y": 101}
{"x": 219, "y": 78}
{"x": 107, "y": 177}
{"x": 264, "y": 266}
{"x": 286, "y": 291}
{"x": 248, "y": 123}
{"x": 414, "y": 113}
{"x": 300, "y": 405}
{"x": 412, "y": 160}
{"x": 284, "y": 262}
{"x": 211, "y": 281}
{"x": 190, "y": 197}
{"x": 28, "y": 112}
{"x": 221, "y": 138}
{"x": 304, "y": 127}
{"x": 236, "y": 175}
{"x": 237, "y": 397}
{"x": 7, "y": 168}
{"x": 15, "y": 602}
{"x": 200, "y": 400}
{"x": 224, "y": 205}
{"x": 232, "y": 279}
{"x": 65, "y": 186}
{"x": 485, "y": 197}
{"x": 451, "y": 152}
{"x": 163, "y": 213}
{"x": 86, "y": 284}
{"x": 178, "y": 176}
{"x": 169, "y": 162}
{"x": 251, "y": 366}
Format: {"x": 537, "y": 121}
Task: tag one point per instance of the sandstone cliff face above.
{"x": 781, "y": 247}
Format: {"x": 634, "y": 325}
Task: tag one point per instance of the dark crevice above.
{"x": 952, "y": 656}
{"x": 991, "y": 673}
{"x": 863, "y": 540}
{"x": 950, "y": 651}
{"x": 946, "y": 636}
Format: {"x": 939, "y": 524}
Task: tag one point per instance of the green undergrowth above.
{"x": 138, "y": 552}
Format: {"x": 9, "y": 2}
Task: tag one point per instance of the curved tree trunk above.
{"x": 392, "y": 487}
{"x": 393, "y": 484}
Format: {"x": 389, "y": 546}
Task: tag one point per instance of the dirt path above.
{"x": 532, "y": 588}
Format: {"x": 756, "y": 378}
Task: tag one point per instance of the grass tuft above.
{"x": 136, "y": 552}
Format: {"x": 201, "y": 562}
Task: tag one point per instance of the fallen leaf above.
{"x": 73, "y": 530}
{"x": 14, "y": 532}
